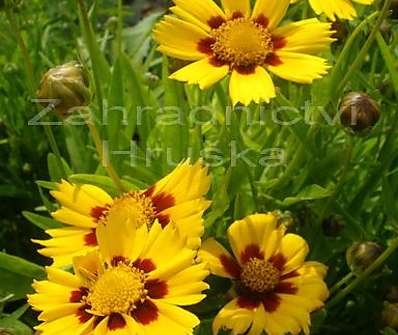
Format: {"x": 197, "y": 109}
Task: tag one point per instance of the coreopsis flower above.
{"x": 243, "y": 42}
{"x": 178, "y": 199}
{"x": 134, "y": 283}
{"x": 275, "y": 289}
{"x": 343, "y": 9}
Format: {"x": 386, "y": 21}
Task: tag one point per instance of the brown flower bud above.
{"x": 359, "y": 112}
{"x": 390, "y": 315}
{"x": 66, "y": 86}
{"x": 361, "y": 255}
{"x": 333, "y": 226}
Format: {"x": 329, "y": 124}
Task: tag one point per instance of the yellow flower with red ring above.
{"x": 178, "y": 199}
{"x": 275, "y": 289}
{"x": 243, "y": 42}
{"x": 134, "y": 283}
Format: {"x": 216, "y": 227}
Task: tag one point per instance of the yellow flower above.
{"x": 248, "y": 44}
{"x": 344, "y": 9}
{"x": 134, "y": 283}
{"x": 275, "y": 289}
{"x": 177, "y": 199}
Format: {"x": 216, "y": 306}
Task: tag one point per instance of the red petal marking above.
{"x": 271, "y": 302}
{"x": 246, "y": 70}
{"x": 97, "y": 212}
{"x": 215, "y": 22}
{"x": 78, "y": 295}
{"x": 286, "y": 288}
{"x": 217, "y": 62}
{"x": 157, "y": 289}
{"x": 278, "y": 261}
{"x": 160, "y": 201}
{"x": 82, "y": 315}
{"x": 278, "y": 42}
{"x": 289, "y": 275}
{"x": 145, "y": 313}
{"x": 145, "y": 265}
{"x": 116, "y": 321}
{"x": 262, "y": 20}
{"x": 247, "y": 302}
{"x": 273, "y": 60}
{"x": 237, "y": 15}
{"x": 90, "y": 239}
{"x": 230, "y": 265}
{"x": 204, "y": 45}
{"x": 118, "y": 259}
{"x": 251, "y": 251}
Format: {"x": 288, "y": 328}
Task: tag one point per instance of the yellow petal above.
{"x": 212, "y": 253}
{"x": 300, "y": 68}
{"x": 306, "y": 36}
{"x": 340, "y": 8}
{"x": 179, "y": 39}
{"x": 257, "y": 230}
{"x": 272, "y": 10}
{"x": 236, "y": 6}
{"x": 202, "y": 10}
{"x": 294, "y": 250}
{"x": 205, "y": 73}
{"x": 256, "y": 86}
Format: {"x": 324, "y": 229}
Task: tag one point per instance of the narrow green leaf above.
{"x": 41, "y": 221}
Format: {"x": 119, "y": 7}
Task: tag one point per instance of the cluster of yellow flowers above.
{"x": 138, "y": 260}
{"x": 129, "y": 265}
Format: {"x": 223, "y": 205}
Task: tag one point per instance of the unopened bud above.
{"x": 66, "y": 86}
{"x": 359, "y": 111}
{"x": 333, "y": 226}
{"x": 361, "y": 255}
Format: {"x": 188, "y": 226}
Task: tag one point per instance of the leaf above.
{"x": 10, "y": 325}
{"x": 55, "y": 171}
{"x": 41, "y": 221}
{"x": 389, "y": 331}
{"x": 312, "y": 192}
{"x": 17, "y": 275}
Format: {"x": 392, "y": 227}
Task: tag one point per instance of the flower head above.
{"x": 343, "y": 9}
{"x": 275, "y": 289}
{"x": 133, "y": 283}
{"x": 178, "y": 199}
{"x": 243, "y": 42}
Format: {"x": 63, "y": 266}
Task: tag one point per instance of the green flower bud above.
{"x": 67, "y": 85}
{"x": 359, "y": 112}
{"x": 361, "y": 255}
{"x": 390, "y": 315}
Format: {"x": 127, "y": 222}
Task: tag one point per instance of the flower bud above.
{"x": 361, "y": 255}
{"x": 359, "y": 111}
{"x": 333, "y": 226}
{"x": 284, "y": 218}
{"x": 67, "y": 85}
{"x": 390, "y": 315}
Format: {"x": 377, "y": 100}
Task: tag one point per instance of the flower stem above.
{"x": 375, "y": 265}
{"x": 54, "y": 147}
{"x": 341, "y": 282}
{"x": 105, "y": 162}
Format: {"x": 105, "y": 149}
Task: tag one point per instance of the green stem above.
{"x": 105, "y": 162}
{"x": 372, "y": 268}
{"x": 348, "y": 49}
{"x": 364, "y": 51}
{"x": 31, "y": 82}
{"x": 54, "y": 147}
{"x": 341, "y": 282}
